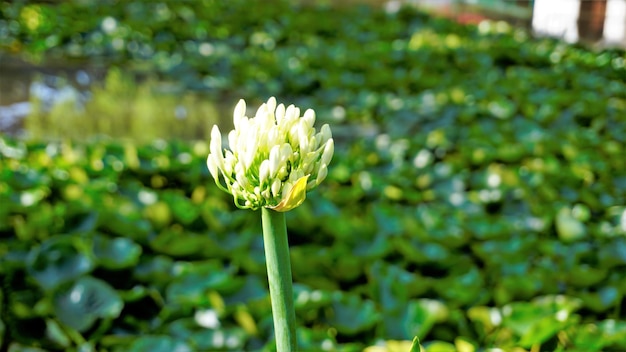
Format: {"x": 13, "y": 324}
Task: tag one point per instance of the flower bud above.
{"x": 273, "y": 158}
{"x": 329, "y": 150}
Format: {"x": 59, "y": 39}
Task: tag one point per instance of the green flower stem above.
{"x": 279, "y": 276}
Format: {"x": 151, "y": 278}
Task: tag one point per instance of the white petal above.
{"x": 271, "y": 104}
{"x": 313, "y": 143}
{"x": 326, "y": 133}
{"x": 242, "y": 180}
{"x": 321, "y": 174}
{"x": 282, "y": 173}
{"x": 248, "y": 150}
{"x": 216, "y": 145}
{"x": 248, "y": 158}
{"x": 265, "y": 121}
{"x": 303, "y": 137}
{"x": 307, "y": 162}
{"x": 290, "y": 114}
{"x": 212, "y": 166}
{"x": 280, "y": 113}
{"x": 272, "y": 136}
{"x": 329, "y": 149}
{"x": 276, "y": 186}
{"x": 286, "y": 152}
{"x": 239, "y": 113}
{"x": 274, "y": 160}
{"x": 229, "y": 162}
{"x": 309, "y": 117}
{"x": 293, "y": 133}
{"x": 239, "y": 169}
{"x": 264, "y": 171}
{"x": 232, "y": 139}
{"x": 262, "y": 110}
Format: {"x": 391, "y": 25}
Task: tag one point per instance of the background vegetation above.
{"x": 477, "y": 197}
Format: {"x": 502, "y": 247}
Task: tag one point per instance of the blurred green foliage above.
{"x": 352, "y": 64}
{"x": 120, "y": 107}
{"x": 476, "y": 199}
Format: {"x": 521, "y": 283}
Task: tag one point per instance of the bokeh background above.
{"x": 477, "y": 197}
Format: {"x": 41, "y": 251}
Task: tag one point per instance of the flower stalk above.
{"x": 274, "y": 159}
{"x": 279, "y": 277}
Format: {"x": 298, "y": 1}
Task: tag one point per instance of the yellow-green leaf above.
{"x": 296, "y": 196}
{"x": 415, "y": 346}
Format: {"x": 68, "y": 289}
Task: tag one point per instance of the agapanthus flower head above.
{"x": 273, "y": 158}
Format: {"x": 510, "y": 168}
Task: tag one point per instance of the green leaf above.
{"x": 589, "y": 338}
{"x": 182, "y": 208}
{"x": 176, "y": 241}
{"x": 308, "y": 300}
{"x": 310, "y": 339}
{"x": 17, "y": 347}
{"x": 537, "y": 321}
{"x": 55, "y": 333}
{"x": 586, "y": 276}
{"x": 191, "y": 288}
{"x": 352, "y": 315}
{"x": 614, "y": 253}
{"x": 602, "y": 299}
{"x": 568, "y": 227}
{"x": 232, "y": 339}
{"x": 252, "y": 290}
{"x": 614, "y": 331}
{"x": 85, "y": 301}
{"x": 415, "y": 346}
{"x": 423, "y": 314}
{"x": 440, "y": 346}
{"x": 118, "y": 224}
{"x": 464, "y": 345}
{"x": 486, "y": 319}
{"x": 116, "y": 253}
{"x": 158, "y": 343}
{"x": 58, "y": 260}
{"x": 464, "y": 288}
{"x": 392, "y": 286}
{"x": 156, "y": 269}
{"x": 202, "y": 338}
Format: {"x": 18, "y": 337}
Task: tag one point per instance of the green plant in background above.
{"x": 274, "y": 158}
{"x": 485, "y": 210}
{"x": 369, "y": 269}
{"x": 121, "y": 107}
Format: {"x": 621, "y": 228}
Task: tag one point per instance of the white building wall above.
{"x": 558, "y": 18}
{"x": 615, "y": 23}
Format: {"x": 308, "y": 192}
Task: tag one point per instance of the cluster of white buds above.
{"x": 274, "y": 157}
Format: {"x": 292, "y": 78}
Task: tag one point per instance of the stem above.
{"x": 279, "y": 277}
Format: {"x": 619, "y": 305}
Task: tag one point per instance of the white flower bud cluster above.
{"x": 274, "y": 157}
